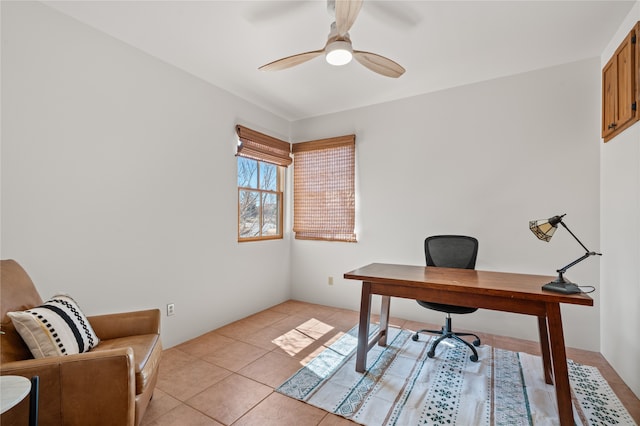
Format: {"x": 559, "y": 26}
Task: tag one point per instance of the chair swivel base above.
{"x": 446, "y": 333}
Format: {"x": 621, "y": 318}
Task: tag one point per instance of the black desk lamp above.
{"x": 544, "y": 229}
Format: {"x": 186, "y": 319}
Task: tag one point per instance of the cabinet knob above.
{"x": 612, "y": 126}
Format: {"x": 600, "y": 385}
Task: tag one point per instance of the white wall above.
{"x": 483, "y": 160}
{"x": 620, "y": 228}
{"x": 119, "y": 179}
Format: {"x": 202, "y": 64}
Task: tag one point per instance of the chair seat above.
{"x": 449, "y": 309}
{"x": 147, "y": 351}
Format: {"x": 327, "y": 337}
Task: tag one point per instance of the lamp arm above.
{"x": 590, "y": 253}
{"x": 587, "y": 254}
{"x": 574, "y": 236}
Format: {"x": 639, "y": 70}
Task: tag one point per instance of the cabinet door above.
{"x": 626, "y": 82}
{"x": 637, "y": 69}
{"x": 619, "y": 92}
{"x": 609, "y": 97}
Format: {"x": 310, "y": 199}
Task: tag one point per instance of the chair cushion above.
{"x": 57, "y": 327}
{"x": 147, "y": 351}
{"x": 450, "y": 309}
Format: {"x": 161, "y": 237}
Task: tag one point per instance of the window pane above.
{"x": 259, "y": 200}
{"x": 247, "y": 173}
{"x": 270, "y": 214}
{"x": 249, "y": 207}
{"x": 268, "y": 176}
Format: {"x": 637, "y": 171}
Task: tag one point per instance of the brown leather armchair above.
{"x": 110, "y": 385}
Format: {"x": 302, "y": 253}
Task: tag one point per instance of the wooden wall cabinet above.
{"x": 621, "y": 87}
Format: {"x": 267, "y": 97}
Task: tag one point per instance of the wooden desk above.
{"x": 499, "y": 291}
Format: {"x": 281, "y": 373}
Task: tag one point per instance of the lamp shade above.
{"x": 542, "y": 229}
{"x": 545, "y": 228}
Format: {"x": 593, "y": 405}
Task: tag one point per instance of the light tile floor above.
{"x": 228, "y": 376}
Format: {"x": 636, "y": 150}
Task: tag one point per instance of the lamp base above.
{"x": 562, "y": 287}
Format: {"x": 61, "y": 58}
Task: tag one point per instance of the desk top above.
{"x": 499, "y": 284}
{"x": 13, "y": 389}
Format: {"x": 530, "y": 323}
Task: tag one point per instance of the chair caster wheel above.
{"x": 414, "y": 337}
{"x": 431, "y": 354}
{"x": 476, "y": 342}
{"x": 474, "y": 358}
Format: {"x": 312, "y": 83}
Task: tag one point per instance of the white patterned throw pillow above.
{"x": 57, "y": 327}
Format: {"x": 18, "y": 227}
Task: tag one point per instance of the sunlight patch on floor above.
{"x": 302, "y": 336}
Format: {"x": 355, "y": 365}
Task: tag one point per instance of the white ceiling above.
{"x": 441, "y": 44}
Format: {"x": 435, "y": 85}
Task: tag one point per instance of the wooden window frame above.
{"x": 279, "y": 193}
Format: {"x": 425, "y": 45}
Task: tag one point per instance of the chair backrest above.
{"x": 451, "y": 251}
{"x": 18, "y": 294}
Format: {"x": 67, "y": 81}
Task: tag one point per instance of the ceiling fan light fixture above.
{"x": 337, "y": 49}
{"x": 339, "y": 53}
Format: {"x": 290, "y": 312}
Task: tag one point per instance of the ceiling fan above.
{"x": 338, "y": 49}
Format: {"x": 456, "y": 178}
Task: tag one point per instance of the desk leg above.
{"x": 363, "y": 329}
{"x": 544, "y": 347}
{"x": 384, "y": 320}
{"x": 559, "y": 359}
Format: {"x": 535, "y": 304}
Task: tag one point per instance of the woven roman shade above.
{"x": 261, "y": 147}
{"x": 324, "y": 189}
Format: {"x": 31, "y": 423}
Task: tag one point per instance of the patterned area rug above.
{"x": 403, "y": 387}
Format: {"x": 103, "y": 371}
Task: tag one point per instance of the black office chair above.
{"x": 450, "y": 251}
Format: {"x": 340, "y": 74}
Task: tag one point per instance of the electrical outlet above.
{"x": 330, "y": 280}
{"x": 171, "y": 309}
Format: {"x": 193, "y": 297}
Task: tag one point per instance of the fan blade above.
{"x": 291, "y": 61}
{"x": 346, "y": 14}
{"x": 379, "y": 64}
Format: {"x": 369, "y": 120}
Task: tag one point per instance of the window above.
{"x": 324, "y": 189}
{"x": 261, "y": 163}
{"x": 259, "y": 200}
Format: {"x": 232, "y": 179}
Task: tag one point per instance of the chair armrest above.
{"x": 96, "y": 388}
{"x": 113, "y": 326}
